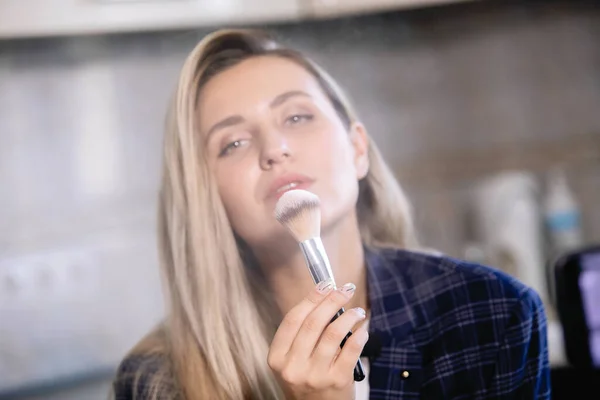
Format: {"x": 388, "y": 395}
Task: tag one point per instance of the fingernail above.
{"x": 348, "y": 288}
{"x": 325, "y": 286}
{"x": 361, "y": 311}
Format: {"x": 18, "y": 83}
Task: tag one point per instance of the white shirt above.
{"x": 362, "y": 387}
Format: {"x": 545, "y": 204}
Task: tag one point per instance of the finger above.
{"x": 329, "y": 343}
{"x": 315, "y": 323}
{"x": 291, "y": 323}
{"x": 343, "y": 365}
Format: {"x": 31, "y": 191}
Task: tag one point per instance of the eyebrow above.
{"x": 238, "y": 119}
{"x": 282, "y": 98}
{"x": 229, "y": 121}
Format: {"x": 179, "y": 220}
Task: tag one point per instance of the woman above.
{"x": 251, "y": 119}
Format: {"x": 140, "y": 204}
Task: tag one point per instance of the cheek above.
{"x": 340, "y": 159}
{"x": 341, "y": 189}
{"x": 235, "y": 188}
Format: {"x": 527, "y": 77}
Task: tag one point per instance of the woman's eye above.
{"x": 298, "y": 119}
{"x": 231, "y": 147}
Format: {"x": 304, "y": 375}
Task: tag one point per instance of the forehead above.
{"x": 252, "y": 84}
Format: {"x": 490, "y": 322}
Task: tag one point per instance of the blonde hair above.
{"x": 214, "y": 341}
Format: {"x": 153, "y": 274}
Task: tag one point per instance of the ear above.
{"x": 360, "y": 143}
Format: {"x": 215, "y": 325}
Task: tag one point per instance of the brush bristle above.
{"x": 299, "y": 211}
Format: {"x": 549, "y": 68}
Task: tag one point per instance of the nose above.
{"x": 275, "y": 150}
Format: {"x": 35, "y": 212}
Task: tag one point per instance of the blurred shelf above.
{"x": 454, "y": 166}
{"x": 34, "y": 18}
{"x": 38, "y": 18}
{"x": 337, "y": 8}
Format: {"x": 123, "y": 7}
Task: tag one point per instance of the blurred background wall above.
{"x": 452, "y": 95}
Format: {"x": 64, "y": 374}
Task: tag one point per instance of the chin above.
{"x": 332, "y": 218}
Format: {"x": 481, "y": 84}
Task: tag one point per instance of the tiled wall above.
{"x": 451, "y": 95}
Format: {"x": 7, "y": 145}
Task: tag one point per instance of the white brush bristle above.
{"x": 299, "y": 211}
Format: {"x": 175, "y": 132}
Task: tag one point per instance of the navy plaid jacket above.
{"x": 453, "y": 330}
{"x": 448, "y": 330}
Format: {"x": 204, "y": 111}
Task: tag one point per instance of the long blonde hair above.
{"x": 214, "y": 341}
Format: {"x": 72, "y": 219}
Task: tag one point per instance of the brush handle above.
{"x": 316, "y": 260}
{"x": 320, "y": 270}
{"x": 359, "y": 372}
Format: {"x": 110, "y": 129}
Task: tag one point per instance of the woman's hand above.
{"x": 305, "y": 353}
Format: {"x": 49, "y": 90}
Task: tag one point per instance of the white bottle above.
{"x": 508, "y": 224}
{"x": 562, "y": 215}
{"x": 563, "y": 221}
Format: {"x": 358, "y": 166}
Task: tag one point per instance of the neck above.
{"x": 288, "y": 275}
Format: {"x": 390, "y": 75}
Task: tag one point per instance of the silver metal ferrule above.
{"x": 316, "y": 260}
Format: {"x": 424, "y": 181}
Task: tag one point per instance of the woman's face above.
{"x": 268, "y": 128}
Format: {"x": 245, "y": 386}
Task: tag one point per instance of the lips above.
{"x": 287, "y": 187}
{"x": 288, "y": 182}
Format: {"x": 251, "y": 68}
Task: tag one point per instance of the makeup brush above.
{"x": 299, "y": 211}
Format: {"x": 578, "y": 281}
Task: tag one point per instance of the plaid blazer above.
{"x": 453, "y": 330}
{"x": 447, "y": 329}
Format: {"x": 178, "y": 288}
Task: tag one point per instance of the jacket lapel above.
{"x": 397, "y": 370}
